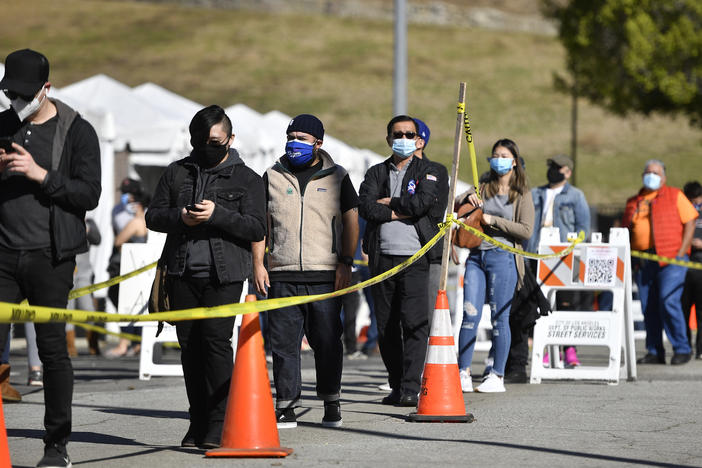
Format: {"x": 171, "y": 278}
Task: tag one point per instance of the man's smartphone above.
{"x": 6, "y": 144}
{"x": 192, "y": 208}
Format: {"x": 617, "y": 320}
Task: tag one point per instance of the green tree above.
{"x": 633, "y": 55}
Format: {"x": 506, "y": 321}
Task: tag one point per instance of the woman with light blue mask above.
{"x": 493, "y": 273}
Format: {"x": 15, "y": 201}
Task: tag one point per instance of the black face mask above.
{"x": 210, "y": 155}
{"x": 554, "y": 175}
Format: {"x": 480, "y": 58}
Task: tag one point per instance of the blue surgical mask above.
{"x": 652, "y": 181}
{"x": 501, "y": 165}
{"x": 299, "y": 153}
{"x": 404, "y": 147}
{"x": 124, "y": 198}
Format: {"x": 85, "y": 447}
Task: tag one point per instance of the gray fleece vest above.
{"x": 304, "y": 232}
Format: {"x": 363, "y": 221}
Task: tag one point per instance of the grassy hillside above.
{"x": 341, "y": 70}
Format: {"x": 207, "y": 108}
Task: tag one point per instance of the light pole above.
{"x": 399, "y": 102}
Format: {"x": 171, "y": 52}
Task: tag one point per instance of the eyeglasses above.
{"x": 398, "y": 135}
{"x": 13, "y": 95}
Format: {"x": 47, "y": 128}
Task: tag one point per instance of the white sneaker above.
{"x": 493, "y": 384}
{"x": 385, "y": 387}
{"x": 466, "y": 381}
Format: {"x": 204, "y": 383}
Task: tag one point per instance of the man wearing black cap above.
{"x": 312, "y": 236}
{"x": 48, "y": 180}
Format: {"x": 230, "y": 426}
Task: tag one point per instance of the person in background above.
{"x": 436, "y": 214}
{"x": 82, "y": 277}
{"x": 661, "y": 221}
{"x": 47, "y": 183}
{"x": 492, "y": 274}
{"x": 212, "y": 206}
{"x": 397, "y": 197}
{"x": 692, "y": 292}
{"x": 134, "y": 231}
{"x": 561, "y": 205}
{"x": 312, "y": 233}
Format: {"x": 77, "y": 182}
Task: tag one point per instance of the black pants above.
{"x": 401, "y": 312}
{"x": 206, "y": 351}
{"x": 34, "y": 276}
{"x": 320, "y": 321}
{"x": 692, "y": 294}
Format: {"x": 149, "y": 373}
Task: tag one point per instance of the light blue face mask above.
{"x": 501, "y": 165}
{"x": 652, "y": 181}
{"x": 404, "y": 147}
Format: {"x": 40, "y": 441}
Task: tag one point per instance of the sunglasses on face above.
{"x": 409, "y": 135}
{"x": 13, "y": 95}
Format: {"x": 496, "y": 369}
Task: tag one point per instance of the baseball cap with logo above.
{"x": 26, "y": 71}
{"x": 423, "y": 131}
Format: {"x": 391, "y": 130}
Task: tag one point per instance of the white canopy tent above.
{"x": 151, "y": 123}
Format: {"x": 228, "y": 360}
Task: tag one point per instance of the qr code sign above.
{"x": 600, "y": 270}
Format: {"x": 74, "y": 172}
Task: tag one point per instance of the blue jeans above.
{"x": 321, "y": 322}
{"x": 660, "y": 291}
{"x": 491, "y": 276}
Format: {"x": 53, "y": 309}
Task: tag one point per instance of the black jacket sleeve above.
{"x": 424, "y": 198}
{"x": 248, "y": 223}
{"x": 370, "y": 191}
{"x": 80, "y": 190}
{"x": 161, "y": 215}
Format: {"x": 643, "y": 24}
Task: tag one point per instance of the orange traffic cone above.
{"x": 4, "y": 446}
{"x": 441, "y": 398}
{"x": 250, "y": 428}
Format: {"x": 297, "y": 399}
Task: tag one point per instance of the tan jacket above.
{"x": 304, "y": 231}
{"x": 519, "y": 228}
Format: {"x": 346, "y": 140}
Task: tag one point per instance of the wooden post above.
{"x": 454, "y": 179}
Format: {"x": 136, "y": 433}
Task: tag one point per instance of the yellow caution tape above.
{"x": 129, "y": 336}
{"x": 27, "y": 313}
{"x": 460, "y": 108}
{"x": 672, "y": 261}
{"x": 106, "y": 284}
{"x": 485, "y": 237}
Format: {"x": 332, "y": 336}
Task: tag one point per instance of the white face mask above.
{"x": 26, "y": 109}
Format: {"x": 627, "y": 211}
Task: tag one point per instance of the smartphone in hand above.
{"x": 6, "y": 144}
{"x": 192, "y": 208}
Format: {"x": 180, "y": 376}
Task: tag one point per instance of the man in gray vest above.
{"x": 312, "y": 234}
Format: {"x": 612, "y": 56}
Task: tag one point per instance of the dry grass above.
{"x": 341, "y": 70}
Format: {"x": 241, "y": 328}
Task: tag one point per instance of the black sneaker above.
{"x": 332, "y": 414}
{"x": 286, "y": 418}
{"x": 55, "y": 456}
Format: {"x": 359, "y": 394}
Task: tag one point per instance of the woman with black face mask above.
{"x": 212, "y": 206}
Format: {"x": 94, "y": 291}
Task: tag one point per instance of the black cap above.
{"x": 307, "y": 123}
{"x": 132, "y": 186}
{"x": 26, "y": 71}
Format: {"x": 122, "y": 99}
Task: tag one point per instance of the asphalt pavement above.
{"x": 120, "y": 421}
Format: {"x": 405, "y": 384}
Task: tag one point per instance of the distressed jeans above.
{"x": 491, "y": 276}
